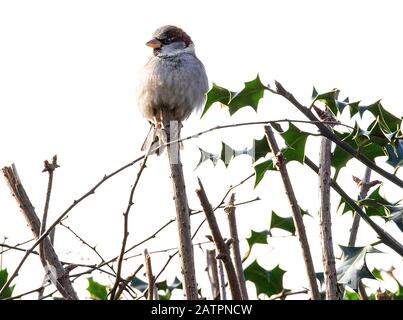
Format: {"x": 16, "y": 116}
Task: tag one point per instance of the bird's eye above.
{"x": 167, "y": 40}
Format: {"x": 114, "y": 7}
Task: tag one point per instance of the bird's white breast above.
{"x": 178, "y": 82}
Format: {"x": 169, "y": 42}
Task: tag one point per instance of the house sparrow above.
{"x": 173, "y": 82}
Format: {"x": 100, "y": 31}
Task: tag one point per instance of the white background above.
{"x": 68, "y": 73}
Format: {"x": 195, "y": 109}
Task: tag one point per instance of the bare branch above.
{"x": 186, "y": 257}
{"x": 212, "y": 273}
{"x": 126, "y": 229}
{"x": 223, "y": 291}
{"x": 328, "y": 260}
{"x": 363, "y": 193}
{"x": 222, "y": 248}
{"x": 236, "y": 252}
{"x": 58, "y": 275}
{"x": 296, "y": 213}
{"x": 152, "y": 288}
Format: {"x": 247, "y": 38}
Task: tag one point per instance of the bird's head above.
{"x": 169, "y": 41}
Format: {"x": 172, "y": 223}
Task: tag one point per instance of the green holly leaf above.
{"x": 361, "y": 137}
{"x": 285, "y": 223}
{"x": 97, "y": 290}
{"x": 255, "y": 237}
{"x": 353, "y": 267}
{"x": 340, "y": 158}
{"x": 389, "y": 122}
{"x": 165, "y": 289}
{"x": 295, "y": 140}
{"x": 375, "y": 204}
{"x": 398, "y": 295}
{"x": 3, "y": 279}
{"x": 354, "y": 108}
{"x": 248, "y": 96}
{"x": 395, "y": 154}
{"x": 377, "y": 274}
{"x": 351, "y": 295}
{"x": 261, "y": 148}
{"x": 329, "y": 99}
{"x": 216, "y": 94}
{"x": 346, "y": 206}
{"x": 268, "y": 282}
{"x": 139, "y": 284}
{"x": 260, "y": 170}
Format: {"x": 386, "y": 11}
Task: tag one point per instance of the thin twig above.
{"x": 129, "y": 279}
{"x": 363, "y": 193}
{"x": 152, "y": 289}
{"x": 221, "y": 246}
{"x": 126, "y": 229}
{"x": 49, "y": 168}
{"x": 296, "y": 213}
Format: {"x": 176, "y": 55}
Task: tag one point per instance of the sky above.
{"x": 68, "y": 74}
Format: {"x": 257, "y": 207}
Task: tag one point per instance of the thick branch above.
{"x": 222, "y": 248}
{"x": 236, "y": 252}
{"x": 329, "y": 263}
{"x": 296, "y": 213}
{"x": 325, "y": 131}
{"x": 186, "y": 258}
{"x": 57, "y": 273}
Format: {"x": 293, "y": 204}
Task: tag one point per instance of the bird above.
{"x": 173, "y": 83}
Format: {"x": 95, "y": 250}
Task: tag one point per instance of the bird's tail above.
{"x": 155, "y": 141}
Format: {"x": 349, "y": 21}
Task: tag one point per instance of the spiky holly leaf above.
{"x": 388, "y": 121}
{"x": 226, "y": 155}
{"x": 248, "y": 96}
{"x": 395, "y": 154}
{"x": 361, "y": 137}
{"x": 340, "y": 157}
{"x": 261, "y": 149}
{"x": 295, "y": 140}
{"x": 329, "y": 99}
{"x": 374, "y": 204}
{"x": 285, "y": 223}
{"x": 261, "y": 169}
{"x": 139, "y": 284}
{"x": 216, "y": 94}
{"x": 97, "y": 291}
{"x": 268, "y": 282}
{"x": 353, "y": 267}
{"x": 3, "y": 279}
{"x": 165, "y": 289}
{"x": 255, "y": 237}
{"x": 346, "y": 206}
{"x": 354, "y": 108}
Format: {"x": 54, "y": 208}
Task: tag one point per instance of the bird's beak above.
{"x": 154, "y": 43}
